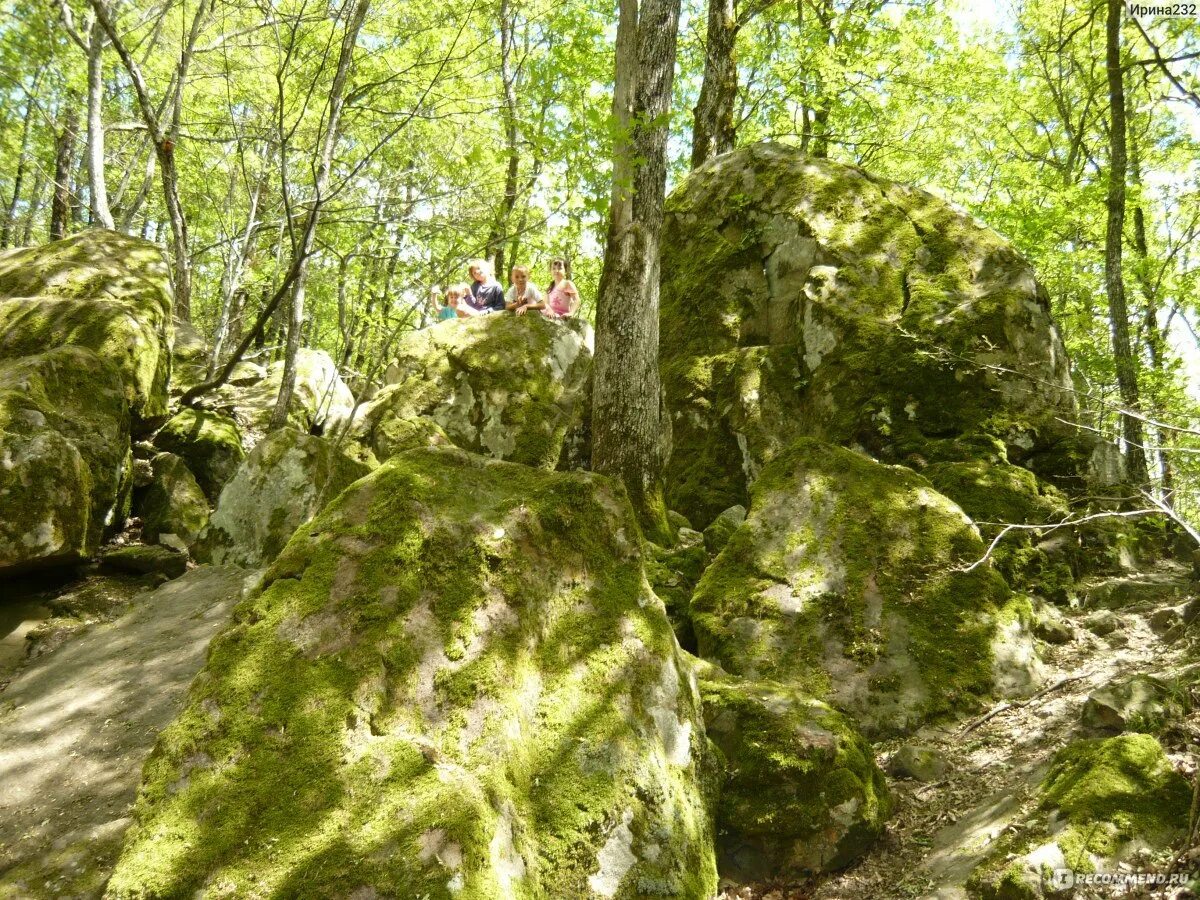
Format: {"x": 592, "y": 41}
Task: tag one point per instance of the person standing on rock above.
{"x": 522, "y": 296}
{"x": 486, "y": 294}
{"x": 563, "y": 298}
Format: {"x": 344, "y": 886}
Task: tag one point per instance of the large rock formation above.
{"x": 174, "y": 509}
{"x": 508, "y": 387}
{"x": 803, "y": 793}
{"x": 287, "y": 479}
{"x": 101, "y": 290}
{"x": 321, "y": 403}
{"x": 208, "y": 442}
{"x": 848, "y": 579}
{"x": 1102, "y": 802}
{"x": 65, "y": 464}
{"x": 455, "y": 683}
{"x": 806, "y": 298}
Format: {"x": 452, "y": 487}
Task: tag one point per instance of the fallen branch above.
{"x": 1052, "y": 526}
{"x": 1020, "y": 704}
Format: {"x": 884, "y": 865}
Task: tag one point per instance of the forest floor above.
{"x": 940, "y": 830}
{"x": 77, "y": 722}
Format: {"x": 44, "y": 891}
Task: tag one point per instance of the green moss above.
{"x": 209, "y": 443}
{"x": 802, "y": 792}
{"x": 846, "y": 581}
{"x": 65, "y": 483}
{"x": 454, "y": 682}
{"x": 101, "y": 290}
{"x": 503, "y": 386}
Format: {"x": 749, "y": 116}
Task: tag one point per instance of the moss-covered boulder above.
{"x": 455, "y": 682}
{"x": 210, "y": 443}
{"x": 848, "y": 580}
{"x": 65, "y": 463}
{"x": 287, "y": 479}
{"x": 173, "y": 508}
{"x": 391, "y": 434}
{"x": 321, "y": 402}
{"x": 805, "y": 297}
{"x": 503, "y": 386}
{"x": 101, "y": 290}
{"x": 802, "y": 793}
{"x": 189, "y": 358}
{"x": 1101, "y": 801}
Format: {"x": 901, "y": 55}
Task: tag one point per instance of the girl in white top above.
{"x": 522, "y": 296}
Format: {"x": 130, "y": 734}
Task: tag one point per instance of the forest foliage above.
{"x": 484, "y": 128}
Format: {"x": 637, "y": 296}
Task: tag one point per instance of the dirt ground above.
{"x": 77, "y": 722}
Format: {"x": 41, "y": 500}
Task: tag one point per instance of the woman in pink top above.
{"x": 562, "y": 299}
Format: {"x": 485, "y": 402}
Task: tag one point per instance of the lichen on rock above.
{"x": 101, "y": 290}
{"x": 802, "y": 794}
{"x": 210, "y": 443}
{"x": 287, "y": 479}
{"x": 808, "y": 298}
{"x": 65, "y": 464}
{"x": 848, "y": 581}
{"x": 508, "y": 387}
{"x": 455, "y": 682}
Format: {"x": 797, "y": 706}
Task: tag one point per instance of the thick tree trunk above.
{"x": 631, "y": 432}
{"x": 64, "y": 163}
{"x": 712, "y": 119}
{"x": 1118, "y": 313}
{"x": 357, "y": 14}
{"x": 97, "y": 187}
{"x": 10, "y": 220}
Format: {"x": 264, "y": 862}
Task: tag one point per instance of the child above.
{"x": 449, "y": 307}
{"x": 562, "y": 299}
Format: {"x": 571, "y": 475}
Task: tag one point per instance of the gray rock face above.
{"x": 1140, "y": 700}
{"x": 508, "y": 387}
{"x": 65, "y": 463}
{"x": 100, "y": 290}
{"x": 321, "y": 402}
{"x": 208, "y": 442}
{"x": 717, "y": 535}
{"x": 848, "y": 581}
{"x": 174, "y": 509}
{"x": 807, "y": 298}
{"x": 919, "y": 763}
{"x": 463, "y": 658}
{"x": 285, "y": 481}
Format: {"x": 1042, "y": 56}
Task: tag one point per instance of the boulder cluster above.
{"x": 463, "y": 671}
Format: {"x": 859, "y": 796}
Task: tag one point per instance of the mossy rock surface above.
{"x": 173, "y": 504}
{"x": 508, "y": 387}
{"x": 65, "y": 462}
{"x": 808, "y": 298}
{"x": 455, "y": 682}
{"x": 802, "y": 793}
{"x": 102, "y": 290}
{"x": 210, "y": 443}
{"x": 321, "y": 401}
{"x": 1101, "y": 800}
{"x": 846, "y": 582}
{"x": 286, "y": 480}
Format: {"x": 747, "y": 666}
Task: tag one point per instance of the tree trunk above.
{"x": 64, "y": 163}
{"x": 496, "y": 241}
{"x": 35, "y": 208}
{"x": 712, "y": 119}
{"x": 1118, "y": 313}
{"x": 97, "y": 188}
{"x": 164, "y": 143}
{"x": 10, "y": 220}
{"x": 239, "y": 252}
{"x": 631, "y": 431}
{"x": 357, "y": 13}
{"x": 1154, "y": 337}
